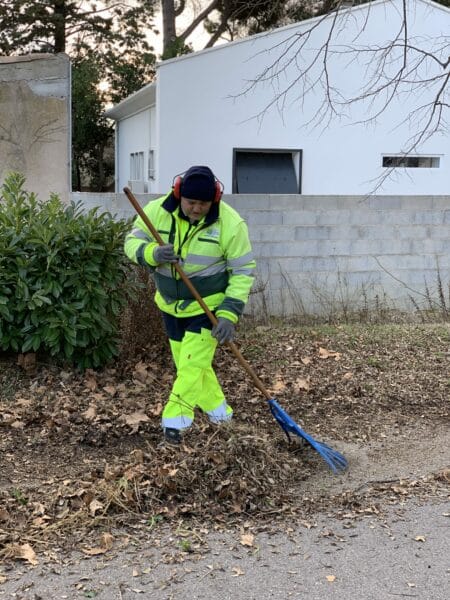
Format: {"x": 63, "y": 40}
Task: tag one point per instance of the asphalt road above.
{"x": 402, "y": 553}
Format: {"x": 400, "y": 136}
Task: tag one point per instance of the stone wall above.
{"x": 35, "y": 121}
{"x": 330, "y": 254}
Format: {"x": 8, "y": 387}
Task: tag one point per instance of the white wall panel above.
{"x": 202, "y": 116}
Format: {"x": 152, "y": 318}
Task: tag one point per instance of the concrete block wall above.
{"x": 35, "y": 121}
{"x": 329, "y": 254}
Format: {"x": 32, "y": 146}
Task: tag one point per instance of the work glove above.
{"x": 164, "y": 254}
{"x": 223, "y": 331}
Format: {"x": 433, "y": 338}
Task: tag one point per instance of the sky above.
{"x": 198, "y": 39}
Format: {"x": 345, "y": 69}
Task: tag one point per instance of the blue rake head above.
{"x": 334, "y": 459}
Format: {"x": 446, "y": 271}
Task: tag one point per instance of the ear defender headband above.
{"x": 178, "y": 181}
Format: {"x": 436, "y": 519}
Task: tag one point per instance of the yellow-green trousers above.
{"x": 196, "y": 384}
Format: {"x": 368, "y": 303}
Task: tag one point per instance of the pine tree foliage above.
{"x": 56, "y": 25}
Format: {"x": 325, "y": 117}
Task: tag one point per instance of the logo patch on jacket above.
{"x": 213, "y": 233}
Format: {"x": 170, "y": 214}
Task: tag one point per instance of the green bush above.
{"x": 62, "y": 277}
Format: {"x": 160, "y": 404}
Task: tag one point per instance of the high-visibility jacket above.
{"x": 215, "y": 254}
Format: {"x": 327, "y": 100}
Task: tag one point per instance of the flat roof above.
{"x": 138, "y": 101}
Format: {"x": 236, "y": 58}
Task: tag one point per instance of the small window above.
{"x": 137, "y": 166}
{"x": 265, "y": 171}
{"x": 412, "y": 162}
{"x": 151, "y": 164}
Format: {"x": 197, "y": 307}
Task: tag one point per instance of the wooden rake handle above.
{"x": 258, "y": 383}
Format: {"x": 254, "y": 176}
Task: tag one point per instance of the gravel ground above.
{"x": 401, "y": 552}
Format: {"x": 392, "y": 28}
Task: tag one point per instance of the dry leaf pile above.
{"x": 82, "y": 450}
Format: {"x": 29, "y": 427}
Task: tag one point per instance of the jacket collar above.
{"x": 171, "y": 204}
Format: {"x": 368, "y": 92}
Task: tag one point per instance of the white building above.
{"x": 279, "y": 136}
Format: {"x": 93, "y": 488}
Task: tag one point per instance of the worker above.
{"x": 209, "y": 241}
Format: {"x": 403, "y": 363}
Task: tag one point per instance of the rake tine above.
{"x": 335, "y": 460}
{"x": 332, "y": 457}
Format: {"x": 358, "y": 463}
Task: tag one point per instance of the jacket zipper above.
{"x": 186, "y": 238}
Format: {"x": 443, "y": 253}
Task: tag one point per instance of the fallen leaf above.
{"x": 134, "y": 420}
{"x": 90, "y": 382}
{"x": 40, "y": 521}
{"x": 443, "y": 475}
{"x": 94, "y": 506}
{"x": 2, "y": 579}
{"x": 138, "y": 455}
{"x": 24, "y": 402}
{"x": 279, "y": 386}
{"x": 94, "y": 551}
{"x": 38, "y": 508}
{"x": 4, "y": 515}
{"x": 90, "y": 413}
{"x": 324, "y": 353}
{"x": 22, "y": 552}
{"x": 141, "y": 373}
{"x": 307, "y": 524}
{"x": 348, "y": 375}
{"x": 237, "y": 571}
{"x": 157, "y": 409}
{"x": 107, "y": 541}
{"x": 110, "y": 389}
{"x": 247, "y": 539}
{"x": 301, "y": 384}
{"x": 306, "y": 360}
{"x": 27, "y": 362}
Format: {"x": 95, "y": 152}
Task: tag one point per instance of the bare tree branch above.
{"x": 416, "y": 68}
{"x": 199, "y": 19}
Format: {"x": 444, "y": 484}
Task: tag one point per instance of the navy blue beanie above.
{"x": 199, "y": 183}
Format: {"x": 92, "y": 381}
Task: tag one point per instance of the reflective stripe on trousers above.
{"x": 196, "y": 384}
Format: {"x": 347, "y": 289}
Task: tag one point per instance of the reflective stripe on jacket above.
{"x": 215, "y": 253}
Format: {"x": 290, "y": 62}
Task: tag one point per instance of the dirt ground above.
{"x": 82, "y": 454}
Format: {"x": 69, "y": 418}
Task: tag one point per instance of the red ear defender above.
{"x": 219, "y": 192}
{"x": 178, "y": 182}
{"x": 176, "y": 187}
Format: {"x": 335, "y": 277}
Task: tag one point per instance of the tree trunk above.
{"x": 76, "y": 185}
{"x": 60, "y": 25}
{"x": 100, "y": 168}
{"x": 169, "y": 29}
